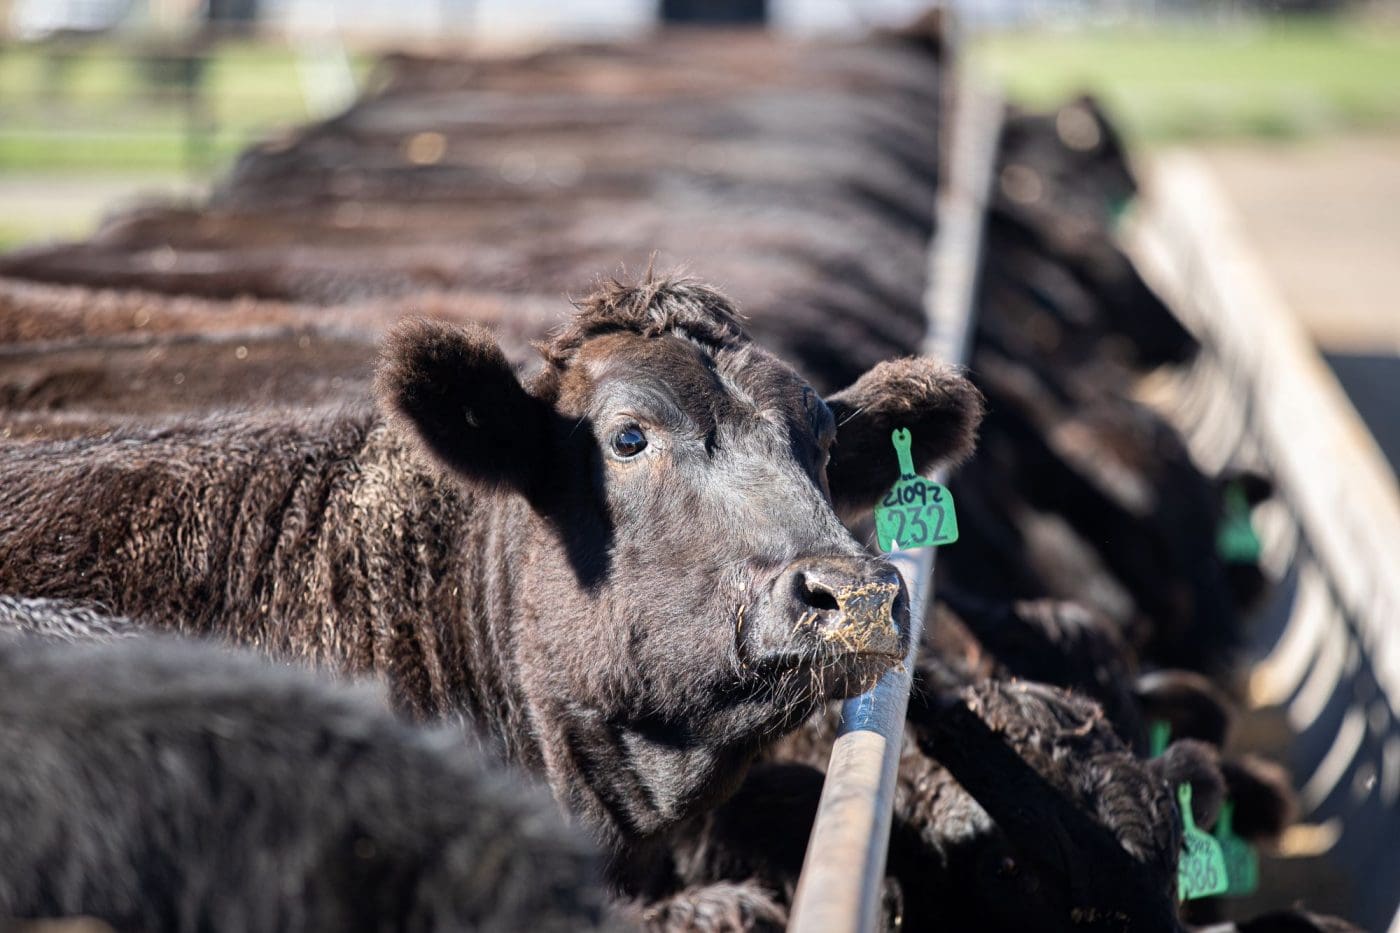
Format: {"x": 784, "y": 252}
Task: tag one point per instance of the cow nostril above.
{"x": 839, "y": 606}
{"x": 817, "y": 595}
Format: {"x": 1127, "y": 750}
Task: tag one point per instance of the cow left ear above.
{"x": 1265, "y": 803}
{"x": 936, "y": 402}
{"x": 1192, "y": 706}
{"x": 460, "y": 396}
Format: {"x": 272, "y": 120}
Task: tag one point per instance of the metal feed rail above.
{"x": 843, "y": 875}
{"x": 1326, "y": 643}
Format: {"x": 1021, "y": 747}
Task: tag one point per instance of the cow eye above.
{"x": 1007, "y": 867}
{"x": 629, "y": 442}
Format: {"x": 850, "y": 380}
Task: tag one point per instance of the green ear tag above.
{"x": 1159, "y": 738}
{"x": 1235, "y": 540}
{"x": 1241, "y": 861}
{"x": 1118, "y": 209}
{"x": 916, "y": 512}
{"x": 1201, "y": 870}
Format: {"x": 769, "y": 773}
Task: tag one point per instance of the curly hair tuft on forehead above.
{"x": 656, "y": 305}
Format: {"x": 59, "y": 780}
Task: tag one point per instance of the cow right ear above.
{"x": 460, "y": 396}
{"x": 1197, "y": 764}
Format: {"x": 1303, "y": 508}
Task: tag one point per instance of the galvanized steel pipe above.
{"x": 843, "y": 874}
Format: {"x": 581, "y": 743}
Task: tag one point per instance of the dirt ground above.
{"x": 1324, "y": 215}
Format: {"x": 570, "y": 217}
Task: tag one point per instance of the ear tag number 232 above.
{"x": 916, "y": 512}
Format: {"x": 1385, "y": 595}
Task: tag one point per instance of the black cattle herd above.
{"x": 351, "y": 579}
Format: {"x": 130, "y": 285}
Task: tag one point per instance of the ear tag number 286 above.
{"x": 1201, "y": 870}
{"x": 916, "y": 512}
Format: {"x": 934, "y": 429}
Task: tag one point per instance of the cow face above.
{"x": 689, "y": 574}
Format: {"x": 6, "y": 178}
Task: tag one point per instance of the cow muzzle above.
{"x": 852, "y": 610}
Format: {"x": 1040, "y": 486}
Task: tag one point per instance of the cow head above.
{"x": 1043, "y": 818}
{"x": 683, "y": 590}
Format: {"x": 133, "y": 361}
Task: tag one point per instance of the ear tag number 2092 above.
{"x": 916, "y": 512}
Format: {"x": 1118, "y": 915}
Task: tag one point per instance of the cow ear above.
{"x": 1265, "y": 803}
{"x": 455, "y": 390}
{"x": 1190, "y": 704}
{"x": 936, "y": 402}
{"x": 1197, "y": 764}
{"x": 1256, "y": 486}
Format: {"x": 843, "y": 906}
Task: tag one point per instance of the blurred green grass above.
{"x": 90, "y": 114}
{"x": 1183, "y": 81}
{"x": 97, "y": 116}
{"x": 1173, "y": 81}
{"x": 93, "y": 109}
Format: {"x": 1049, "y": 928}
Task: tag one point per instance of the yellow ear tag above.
{"x": 916, "y": 512}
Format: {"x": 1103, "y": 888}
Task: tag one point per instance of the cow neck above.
{"x": 489, "y": 688}
{"x": 636, "y": 788}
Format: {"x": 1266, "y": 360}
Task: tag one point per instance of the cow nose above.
{"x": 856, "y": 603}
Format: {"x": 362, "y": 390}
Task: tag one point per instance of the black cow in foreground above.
{"x": 959, "y": 840}
{"x": 629, "y": 569}
{"x": 55, "y": 620}
{"x": 158, "y": 785}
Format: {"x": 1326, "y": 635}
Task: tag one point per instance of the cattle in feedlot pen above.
{"x": 621, "y": 556}
{"x": 67, "y": 349}
{"x": 629, "y": 570}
